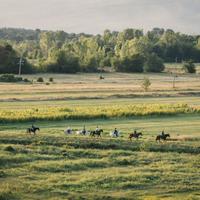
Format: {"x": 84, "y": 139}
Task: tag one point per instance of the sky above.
{"x": 94, "y": 16}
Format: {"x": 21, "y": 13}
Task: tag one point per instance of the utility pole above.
{"x": 174, "y": 80}
{"x": 21, "y": 62}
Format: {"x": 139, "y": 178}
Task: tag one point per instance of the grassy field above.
{"x": 88, "y": 86}
{"x": 52, "y": 165}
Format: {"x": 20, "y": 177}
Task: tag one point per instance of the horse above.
{"x": 32, "y": 130}
{"x": 68, "y": 131}
{"x": 162, "y": 137}
{"x": 135, "y": 135}
{"x": 113, "y": 134}
{"x": 82, "y": 132}
{"x": 96, "y": 133}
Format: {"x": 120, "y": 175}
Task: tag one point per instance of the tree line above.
{"x": 130, "y": 50}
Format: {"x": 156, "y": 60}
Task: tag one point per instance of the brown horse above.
{"x": 135, "y": 135}
{"x": 96, "y": 133}
{"x": 162, "y": 137}
{"x": 32, "y": 130}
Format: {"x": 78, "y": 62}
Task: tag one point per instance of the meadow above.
{"x": 52, "y": 165}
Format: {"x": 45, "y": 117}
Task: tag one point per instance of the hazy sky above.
{"x": 94, "y": 16}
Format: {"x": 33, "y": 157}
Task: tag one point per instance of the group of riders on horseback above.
{"x": 97, "y": 132}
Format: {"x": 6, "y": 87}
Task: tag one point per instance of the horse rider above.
{"x": 33, "y": 127}
{"x": 69, "y": 130}
{"x": 115, "y": 132}
{"x": 97, "y": 129}
{"x": 84, "y": 130}
{"x": 163, "y": 133}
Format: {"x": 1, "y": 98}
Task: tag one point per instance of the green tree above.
{"x": 63, "y": 62}
{"x": 153, "y": 64}
{"x": 129, "y": 64}
{"x": 9, "y": 61}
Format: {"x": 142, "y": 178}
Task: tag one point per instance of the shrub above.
{"x": 146, "y": 84}
{"x": 189, "y": 67}
{"x": 40, "y": 79}
{"x": 10, "y": 149}
{"x": 10, "y": 78}
{"x": 26, "y": 80}
{"x": 51, "y": 79}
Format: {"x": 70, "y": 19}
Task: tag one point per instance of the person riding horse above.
{"x": 116, "y": 133}
{"x": 97, "y": 132}
{"x": 68, "y": 130}
{"x": 33, "y": 129}
{"x": 97, "y": 129}
{"x": 163, "y": 133}
{"x": 135, "y": 134}
{"x": 84, "y": 131}
{"x": 162, "y": 136}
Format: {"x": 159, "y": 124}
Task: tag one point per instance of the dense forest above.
{"x": 131, "y": 50}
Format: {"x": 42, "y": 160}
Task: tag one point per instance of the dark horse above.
{"x": 134, "y": 135}
{"x": 33, "y": 130}
{"x": 163, "y": 136}
{"x": 96, "y": 133}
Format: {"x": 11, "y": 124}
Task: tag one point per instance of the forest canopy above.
{"x": 131, "y": 50}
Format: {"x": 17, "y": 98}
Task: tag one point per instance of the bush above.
{"x": 189, "y": 67}
{"x": 146, "y": 84}
{"x": 153, "y": 64}
{"x": 10, "y": 149}
{"x": 51, "y": 79}
{"x": 10, "y": 78}
{"x": 40, "y": 79}
{"x": 26, "y": 80}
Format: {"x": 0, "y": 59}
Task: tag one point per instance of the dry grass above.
{"x": 89, "y": 86}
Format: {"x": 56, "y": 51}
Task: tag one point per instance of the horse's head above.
{"x": 140, "y": 134}
{"x": 167, "y": 135}
{"x": 101, "y": 130}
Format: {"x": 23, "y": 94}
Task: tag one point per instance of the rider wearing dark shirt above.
{"x": 84, "y": 130}
{"x": 116, "y": 132}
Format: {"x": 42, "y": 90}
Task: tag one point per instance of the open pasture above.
{"x": 89, "y": 86}
{"x": 52, "y": 165}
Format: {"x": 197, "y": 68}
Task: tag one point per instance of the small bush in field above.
{"x": 189, "y": 67}
{"x": 40, "y": 79}
{"x": 10, "y": 78}
{"x": 10, "y": 149}
{"x": 51, "y": 79}
{"x": 26, "y": 80}
{"x": 146, "y": 84}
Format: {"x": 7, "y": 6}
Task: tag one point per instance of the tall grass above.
{"x": 94, "y": 112}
